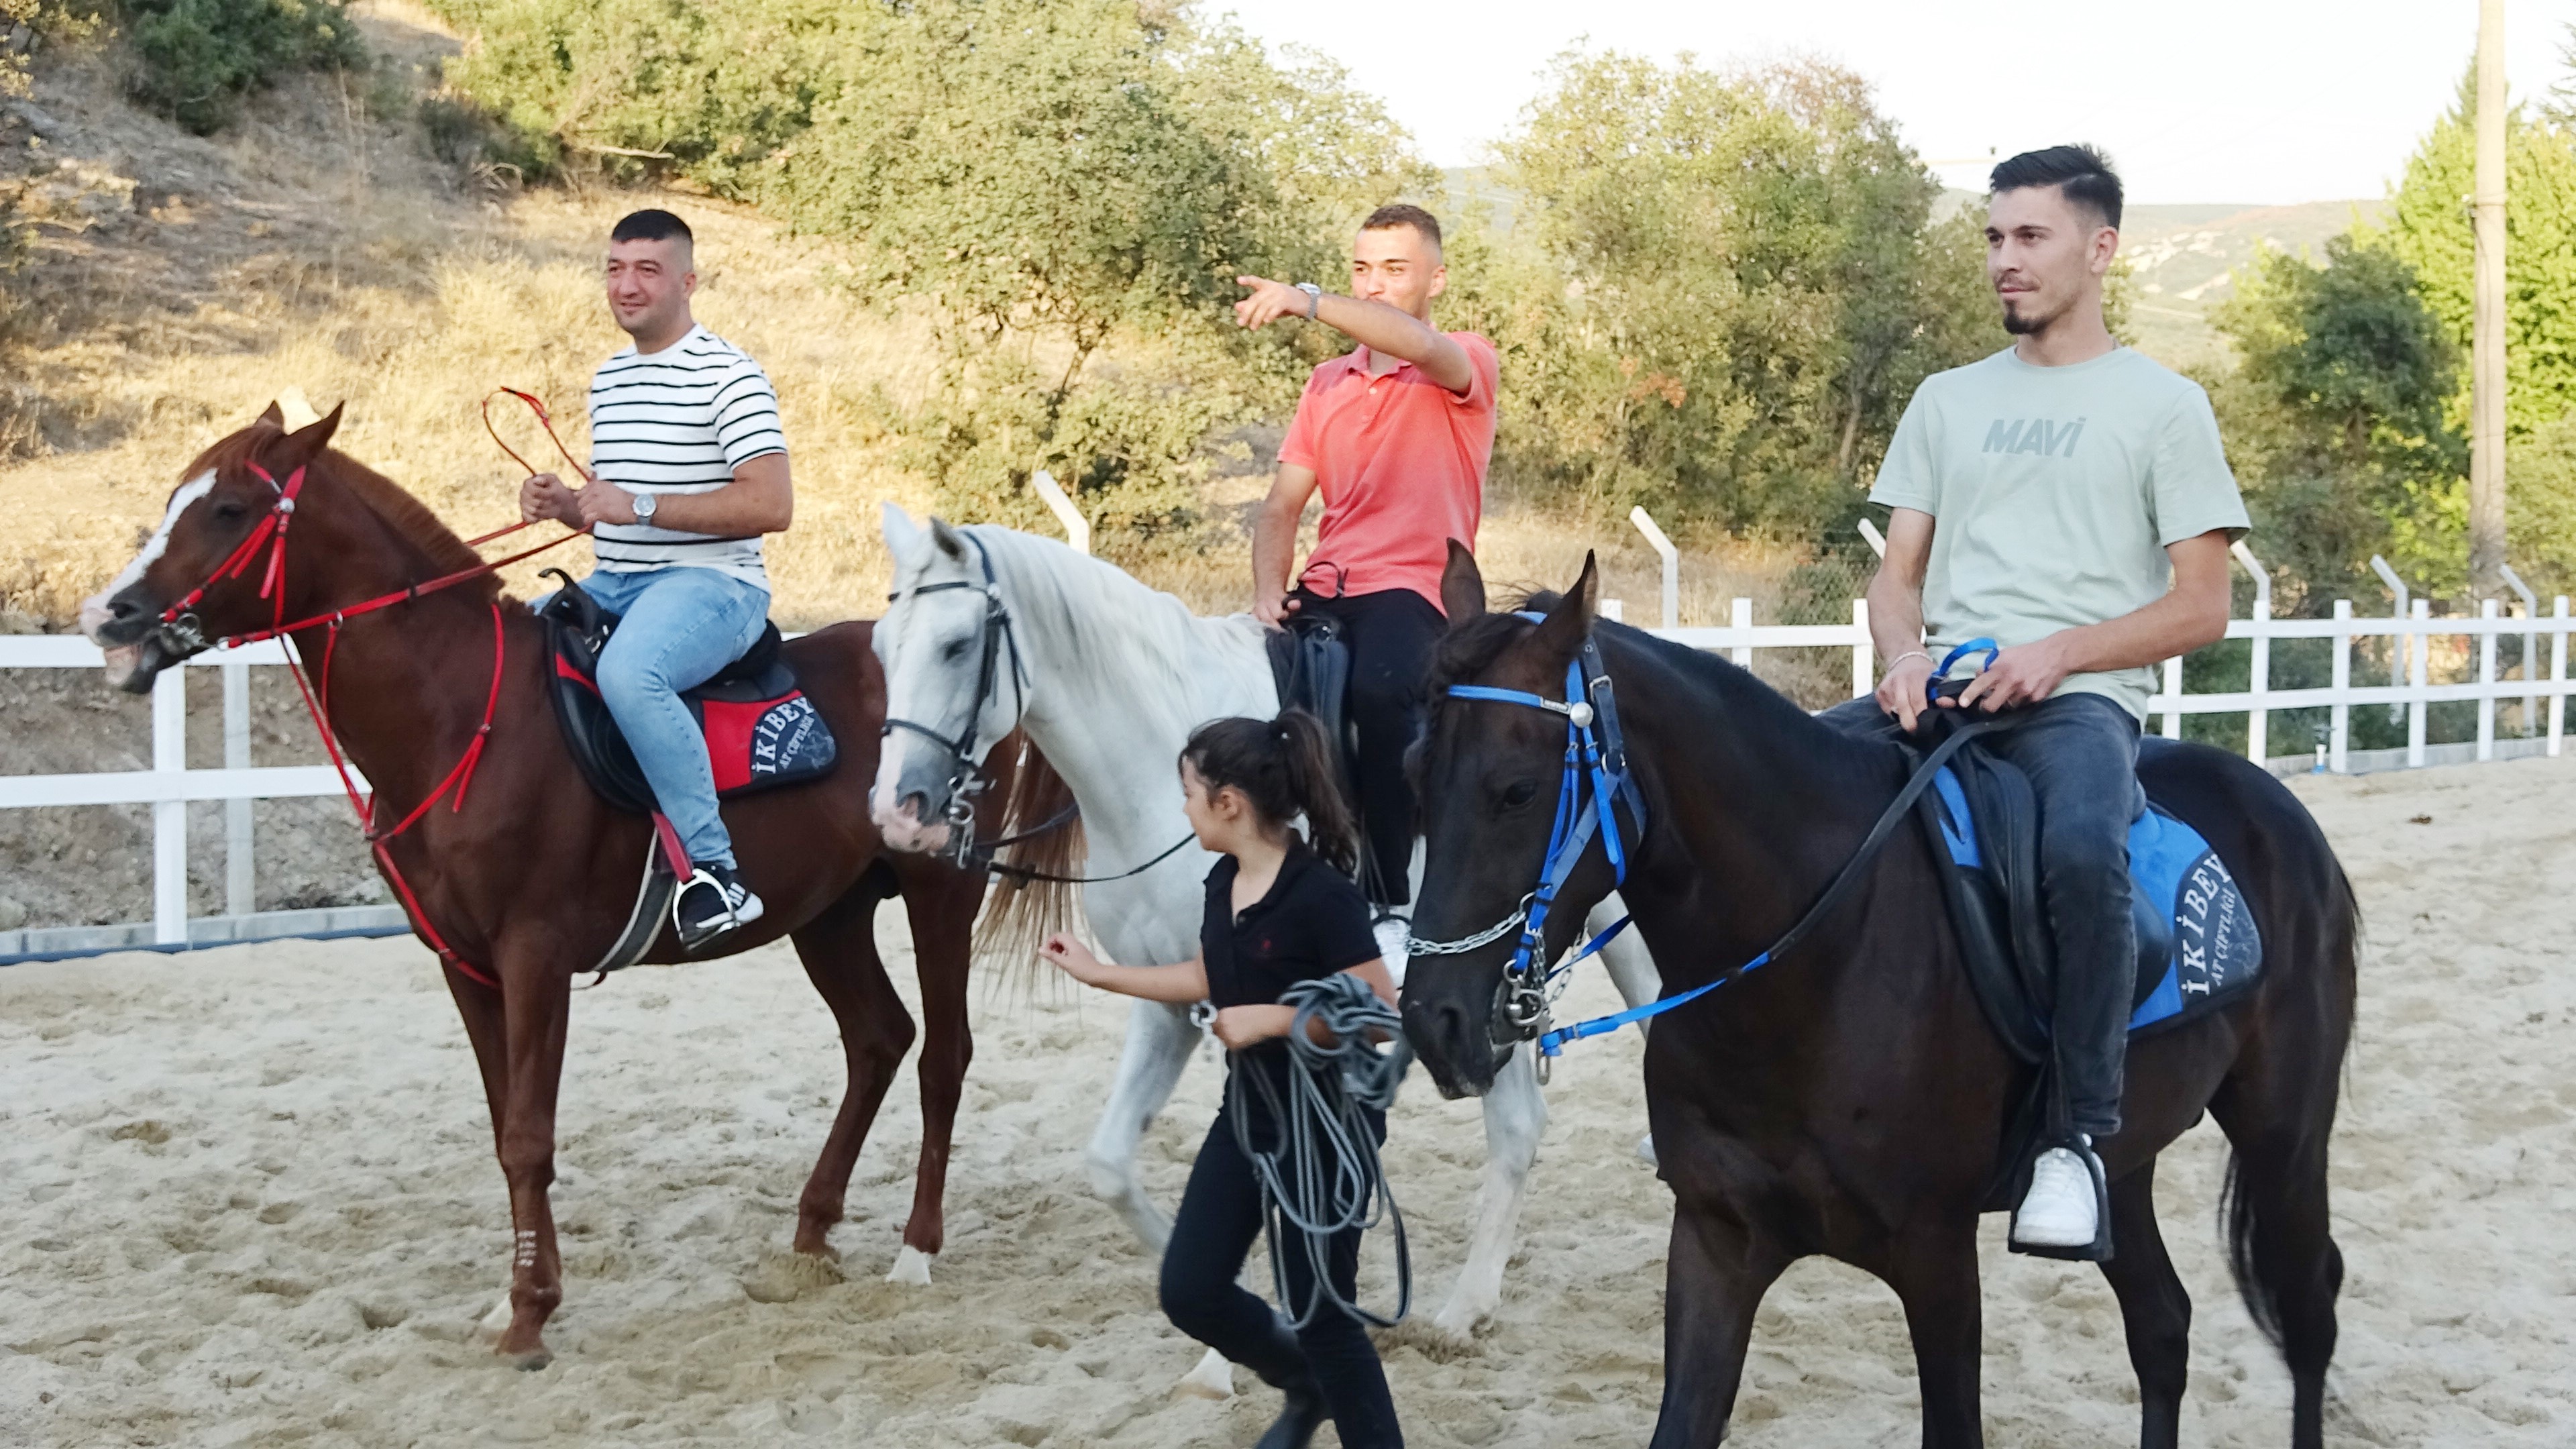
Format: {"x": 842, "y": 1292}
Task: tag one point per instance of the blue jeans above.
{"x": 681, "y": 625}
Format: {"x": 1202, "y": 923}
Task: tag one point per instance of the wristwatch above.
{"x": 645, "y": 503}
{"x": 1314, "y": 298}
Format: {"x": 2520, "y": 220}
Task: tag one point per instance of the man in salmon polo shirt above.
{"x": 1397, "y": 433}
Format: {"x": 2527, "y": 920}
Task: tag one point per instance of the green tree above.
{"x": 1727, "y": 289}
{"x": 2338, "y": 420}
{"x": 1071, "y": 186}
{"x": 2427, "y": 224}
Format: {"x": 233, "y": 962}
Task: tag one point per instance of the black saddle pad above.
{"x": 761, "y": 730}
{"x": 1312, "y": 667}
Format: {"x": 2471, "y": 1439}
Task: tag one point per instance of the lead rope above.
{"x": 1325, "y": 1178}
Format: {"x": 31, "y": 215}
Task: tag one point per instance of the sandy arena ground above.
{"x": 247, "y": 1197}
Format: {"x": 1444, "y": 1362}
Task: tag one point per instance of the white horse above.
{"x": 992, "y": 629}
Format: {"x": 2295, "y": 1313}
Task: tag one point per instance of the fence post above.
{"x": 1645, "y": 523}
{"x": 2419, "y": 637}
{"x": 1739, "y": 617}
{"x": 2173, "y": 689}
{"x": 2339, "y": 715}
{"x": 1864, "y": 668}
{"x": 1077, "y": 529}
{"x": 2486, "y": 682}
{"x": 2558, "y": 678}
{"x": 2396, "y": 642}
{"x": 170, "y": 813}
{"x": 2258, "y": 720}
{"x": 239, "y": 882}
{"x": 2530, "y": 655}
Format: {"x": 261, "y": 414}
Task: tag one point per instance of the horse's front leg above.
{"x": 536, "y": 996}
{"x": 1934, "y": 1272}
{"x": 1159, "y": 1042}
{"x": 1714, "y": 1278}
{"x": 1515, "y": 1117}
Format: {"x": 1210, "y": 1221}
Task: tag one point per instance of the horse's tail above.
{"x": 2236, "y": 1225}
{"x": 2239, "y": 1216}
{"x": 1021, "y": 913}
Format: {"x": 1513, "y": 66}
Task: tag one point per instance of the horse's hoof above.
{"x": 528, "y": 1362}
{"x": 817, "y": 1247}
{"x": 1212, "y": 1379}
{"x": 911, "y": 1266}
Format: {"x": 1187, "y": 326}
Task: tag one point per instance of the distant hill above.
{"x": 2180, "y": 256}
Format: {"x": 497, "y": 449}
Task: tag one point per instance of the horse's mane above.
{"x": 408, "y": 517}
{"x": 1060, "y": 601}
{"x": 1726, "y": 689}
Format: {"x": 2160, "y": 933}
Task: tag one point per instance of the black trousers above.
{"x": 1391, "y": 635}
{"x": 1219, "y": 1221}
{"x": 2081, "y": 754}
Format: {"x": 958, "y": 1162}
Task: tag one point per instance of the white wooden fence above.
{"x": 170, "y": 784}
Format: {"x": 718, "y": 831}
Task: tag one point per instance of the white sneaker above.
{"x": 1391, "y": 935}
{"x": 2059, "y": 1210}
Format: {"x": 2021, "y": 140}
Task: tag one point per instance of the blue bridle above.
{"x": 1604, "y": 763}
{"x": 1596, "y": 758}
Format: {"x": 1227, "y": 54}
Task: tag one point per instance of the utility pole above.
{"x": 2486, "y": 349}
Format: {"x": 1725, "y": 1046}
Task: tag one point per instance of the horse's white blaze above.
{"x": 1118, "y": 675}
{"x": 153, "y": 547}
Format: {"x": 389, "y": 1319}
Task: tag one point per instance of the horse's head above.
{"x": 954, "y": 681}
{"x": 1488, "y": 775}
{"x": 213, "y": 512}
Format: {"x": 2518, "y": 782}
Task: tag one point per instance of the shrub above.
{"x": 197, "y": 58}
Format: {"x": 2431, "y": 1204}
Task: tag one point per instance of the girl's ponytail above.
{"x": 1286, "y": 767}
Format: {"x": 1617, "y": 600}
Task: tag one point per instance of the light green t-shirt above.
{"x": 2054, "y": 492}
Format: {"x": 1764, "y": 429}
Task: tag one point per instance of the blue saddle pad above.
{"x": 2215, "y": 951}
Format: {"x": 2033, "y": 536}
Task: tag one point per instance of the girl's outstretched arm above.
{"x": 1183, "y": 981}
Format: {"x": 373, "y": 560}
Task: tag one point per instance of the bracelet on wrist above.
{"x": 1901, "y": 658}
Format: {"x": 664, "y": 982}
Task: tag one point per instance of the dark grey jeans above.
{"x": 2081, "y": 754}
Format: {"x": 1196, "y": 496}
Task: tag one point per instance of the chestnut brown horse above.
{"x": 518, "y": 871}
{"x": 1849, "y": 1098}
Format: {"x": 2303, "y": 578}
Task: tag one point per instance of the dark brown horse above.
{"x": 525, "y": 873}
{"x": 1849, "y": 1099}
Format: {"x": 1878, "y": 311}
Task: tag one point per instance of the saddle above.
{"x": 761, "y": 730}
{"x": 2198, "y": 947}
{"x": 1311, "y": 664}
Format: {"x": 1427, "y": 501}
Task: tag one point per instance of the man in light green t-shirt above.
{"x": 2068, "y": 499}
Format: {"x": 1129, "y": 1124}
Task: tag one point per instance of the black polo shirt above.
{"x": 1312, "y": 923}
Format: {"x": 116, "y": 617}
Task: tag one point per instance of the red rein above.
{"x": 271, "y": 533}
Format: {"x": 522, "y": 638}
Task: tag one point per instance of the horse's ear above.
{"x": 1462, "y": 586}
{"x": 949, "y": 541}
{"x": 1570, "y": 622}
{"x": 305, "y": 444}
{"x": 275, "y": 417}
{"x": 904, "y": 539}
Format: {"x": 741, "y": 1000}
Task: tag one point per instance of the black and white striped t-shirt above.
{"x": 679, "y": 421}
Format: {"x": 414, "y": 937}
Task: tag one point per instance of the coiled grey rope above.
{"x": 1324, "y": 1177}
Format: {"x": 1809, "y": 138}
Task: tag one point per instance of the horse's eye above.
{"x": 1520, "y": 794}
{"x": 230, "y": 510}
{"x": 955, "y": 651}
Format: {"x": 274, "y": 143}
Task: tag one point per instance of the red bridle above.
{"x": 180, "y": 630}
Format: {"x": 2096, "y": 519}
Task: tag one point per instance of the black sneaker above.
{"x": 712, "y": 906}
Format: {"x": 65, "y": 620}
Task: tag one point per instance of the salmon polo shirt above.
{"x": 1401, "y": 462}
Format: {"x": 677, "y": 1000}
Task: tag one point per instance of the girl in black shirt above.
{"x": 1279, "y": 911}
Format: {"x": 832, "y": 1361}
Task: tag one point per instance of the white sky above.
{"x": 2254, "y": 101}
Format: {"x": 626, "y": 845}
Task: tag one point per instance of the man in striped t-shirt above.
{"x": 692, "y": 470}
